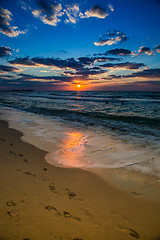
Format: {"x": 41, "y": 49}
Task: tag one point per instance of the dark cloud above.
{"x": 118, "y": 51}
{"x": 62, "y": 51}
{"x": 45, "y": 6}
{"x": 49, "y": 12}
{"x": 25, "y": 81}
{"x": 153, "y": 83}
{"x": 86, "y": 60}
{"x": 85, "y": 72}
{"x": 111, "y": 38}
{"x": 52, "y": 62}
{"x": 5, "y": 51}
{"x": 8, "y": 69}
{"x": 89, "y": 61}
{"x": 105, "y": 59}
{"x": 53, "y": 78}
{"x": 5, "y": 28}
{"x": 152, "y": 73}
{"x": 145, "y": 50}
{"x": 96, "y": 11}
{"x": 57, "y": 62}
{"x": 23, "y": 62}
{"x": 157, "y": 48}
{"x": 60, "y": 63}
{"x": 147, "y": 73}
{"x": 5, "y": 76}
{"x": 126, "y": 65}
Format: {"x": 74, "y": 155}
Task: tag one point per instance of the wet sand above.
{"x": 41, "y": 202}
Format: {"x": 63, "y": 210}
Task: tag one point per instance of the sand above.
{"x": 41, "y": 202}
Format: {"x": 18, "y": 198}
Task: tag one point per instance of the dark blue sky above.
{"x": 101, "y": 45}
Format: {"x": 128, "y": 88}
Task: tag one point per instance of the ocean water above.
{"x": 89, "y": 129}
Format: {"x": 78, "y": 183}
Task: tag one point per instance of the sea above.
{"x": 93, "y": 129}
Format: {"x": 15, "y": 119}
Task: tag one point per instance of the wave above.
{"x": 125, "y": 124}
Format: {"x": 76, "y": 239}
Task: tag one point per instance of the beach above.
{"x": 79, "y": 120}
{"x": 41, "y": 201}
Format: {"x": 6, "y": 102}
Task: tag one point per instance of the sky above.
{"x": 104, "y": 45}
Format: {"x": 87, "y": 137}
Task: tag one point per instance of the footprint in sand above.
{"x": 11, "y": 203}
{"x": 136, "y": 193}
{"x": 50, "y": 208}
{"x": 11, "y": 213}
{"x": 72, "y": 195}
{"x": 88, "y": 214}
{"x": 65, "y": 213}
{"x": 52, "y": 188}
{"x": 30, "y": 174}
{"x": 44, "y": 169}
{"x": 68, "y": 215}
{"x": 2, "y": 139}
{"x": 12, "y": 152}
{"x": 130, "y": 231}
{"x": 77, "y": 238}
{"x": 20, "y": 154}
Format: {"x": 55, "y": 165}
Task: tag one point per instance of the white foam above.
{"x": 83, "y": 147}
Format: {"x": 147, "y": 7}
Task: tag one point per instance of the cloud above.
{"x": 70, "y": 64}
{"x": 8, "y": 69}
{"x": 23, "y": 62}
{"x": 118, "y": 51}
{"x": 147, "y": 73}
{"x": 96, "y": 11}
{"x": 86, "y": 60}
{"x": 145, "y": 50}
{"x": 157, "y": 48}
{"x": 126, "y": 65}
{"x": 30, "y": 77}
{"x": 110, "y": 41}
{"x": 48, "y": 62}
{"x": 48, "y": 13}
{"x": 51, "y": 12}
{"x": 27, "y": 81}
{"x": 111, "y": 38}
{"x": 5, "y": 28}
{"x": 72, "y": 12}
{"x": 5, "y": 51}
{"x": 86, "y": 72}
{"x": 105, "y": 59}
{"x": 57, "y": 62}
{"x": 91, "y": 60}
{"x": 152, "y": 73}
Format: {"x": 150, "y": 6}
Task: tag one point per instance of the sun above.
{"x": 78, "y": 85}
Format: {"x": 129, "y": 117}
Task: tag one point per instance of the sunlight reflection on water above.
{"x": 72, "y": 149}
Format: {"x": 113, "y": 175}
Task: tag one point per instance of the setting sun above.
{"x": 78, "y": 85}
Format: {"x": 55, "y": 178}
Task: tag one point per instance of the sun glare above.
{"x": 78, "y": 85}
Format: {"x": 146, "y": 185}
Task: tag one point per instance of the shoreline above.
{"x": 40, "y": 201}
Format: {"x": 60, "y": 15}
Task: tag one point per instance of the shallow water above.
{"x": 72, "y": 144}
